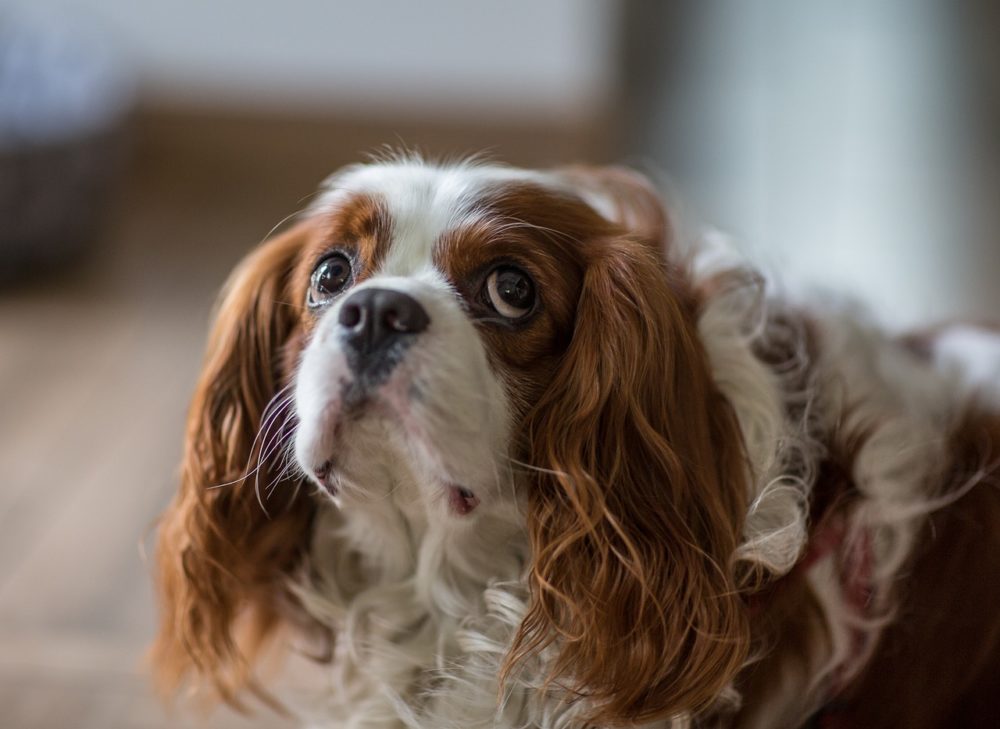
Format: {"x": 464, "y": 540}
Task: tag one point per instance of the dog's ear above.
{"x": 638, "y": 500}
{"x": 623, "y": 197}
{"x": 225, "y": 544}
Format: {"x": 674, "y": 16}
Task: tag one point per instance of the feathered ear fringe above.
{"x": 221, "y": 558}
{"x": 639, "y": 502}
{"x": 761, "y": 361}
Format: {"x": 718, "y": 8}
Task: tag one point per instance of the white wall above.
{"x": 833, "y": 139}
{"x": 432, "y": 57}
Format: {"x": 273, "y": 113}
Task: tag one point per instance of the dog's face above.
{"x": 448, "y": 347}
{"x": 436, "y": 305}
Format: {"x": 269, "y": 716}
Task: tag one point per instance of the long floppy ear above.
{"x": 221, "y": 557}
{"x": 638, "y": 502}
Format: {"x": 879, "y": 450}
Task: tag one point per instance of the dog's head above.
{"x": 448, "y": 350}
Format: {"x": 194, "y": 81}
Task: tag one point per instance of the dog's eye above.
{"x": 329, "y": 278}
{"x": 510, "y": 291}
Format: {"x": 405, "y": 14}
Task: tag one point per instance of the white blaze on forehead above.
{"x": 423, "y": 202}
{"x": 422, "y": 208}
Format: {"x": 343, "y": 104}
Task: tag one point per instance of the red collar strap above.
{"x": 853, "y": 562}
{"x": 853, "y": 556}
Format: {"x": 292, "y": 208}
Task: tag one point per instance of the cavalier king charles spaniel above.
{"x": 476, "y": 446}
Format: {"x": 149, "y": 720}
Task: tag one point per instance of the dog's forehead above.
{"x": 423, "y": 202}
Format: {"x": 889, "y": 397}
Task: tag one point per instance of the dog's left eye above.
{"x": 510, "y": 291}
{"x": 329, "y": 278}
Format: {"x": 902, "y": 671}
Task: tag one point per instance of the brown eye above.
{"x": 510, "y": 292}
{"x": 329, "y": 278}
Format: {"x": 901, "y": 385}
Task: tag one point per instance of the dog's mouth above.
{"x": 461, "y": 501}
{"x": 322, "y": 473}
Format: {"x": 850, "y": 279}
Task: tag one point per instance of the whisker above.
{"x": 511, "y": 222}
{"x": 268, "y": 450}
{"x": 531, "y": 468}
{"x": 287, "y": 464}
{"x": 280, "y": 399}
{"x": 269, "y": 447}
{"x": 278, "y": 441}
{"x": 282, "y": 222}
{"x": 270, "y": 411}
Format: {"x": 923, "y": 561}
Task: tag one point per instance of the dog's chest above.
{"x": 420, "y": 648}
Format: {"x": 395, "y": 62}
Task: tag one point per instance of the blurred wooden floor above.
{"x": 96, "y": 365}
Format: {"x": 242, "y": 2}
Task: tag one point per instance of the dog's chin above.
{"x": 345, "y": 413}
{"x": 370, "y": 436}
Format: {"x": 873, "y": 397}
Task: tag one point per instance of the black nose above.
{"x": 372, "y": 319}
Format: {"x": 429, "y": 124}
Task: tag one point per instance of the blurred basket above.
{"x": 65, "y": 98}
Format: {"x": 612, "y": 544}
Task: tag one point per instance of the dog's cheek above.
{"x": 291, "y": 354}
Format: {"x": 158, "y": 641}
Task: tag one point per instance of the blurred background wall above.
{"x": 437, "y": 58}
{"x": 517, "y": 59}
{"x": 841, "y": 142}
{"x": 850, "y": 145}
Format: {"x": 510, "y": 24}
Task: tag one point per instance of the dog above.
{"x": 477, "y": 446}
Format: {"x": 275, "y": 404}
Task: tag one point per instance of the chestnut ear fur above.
{"x": 221, "y": 558}
{"x": 638, "y": 502}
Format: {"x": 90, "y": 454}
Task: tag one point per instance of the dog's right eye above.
{"x": 329, "y": 278}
